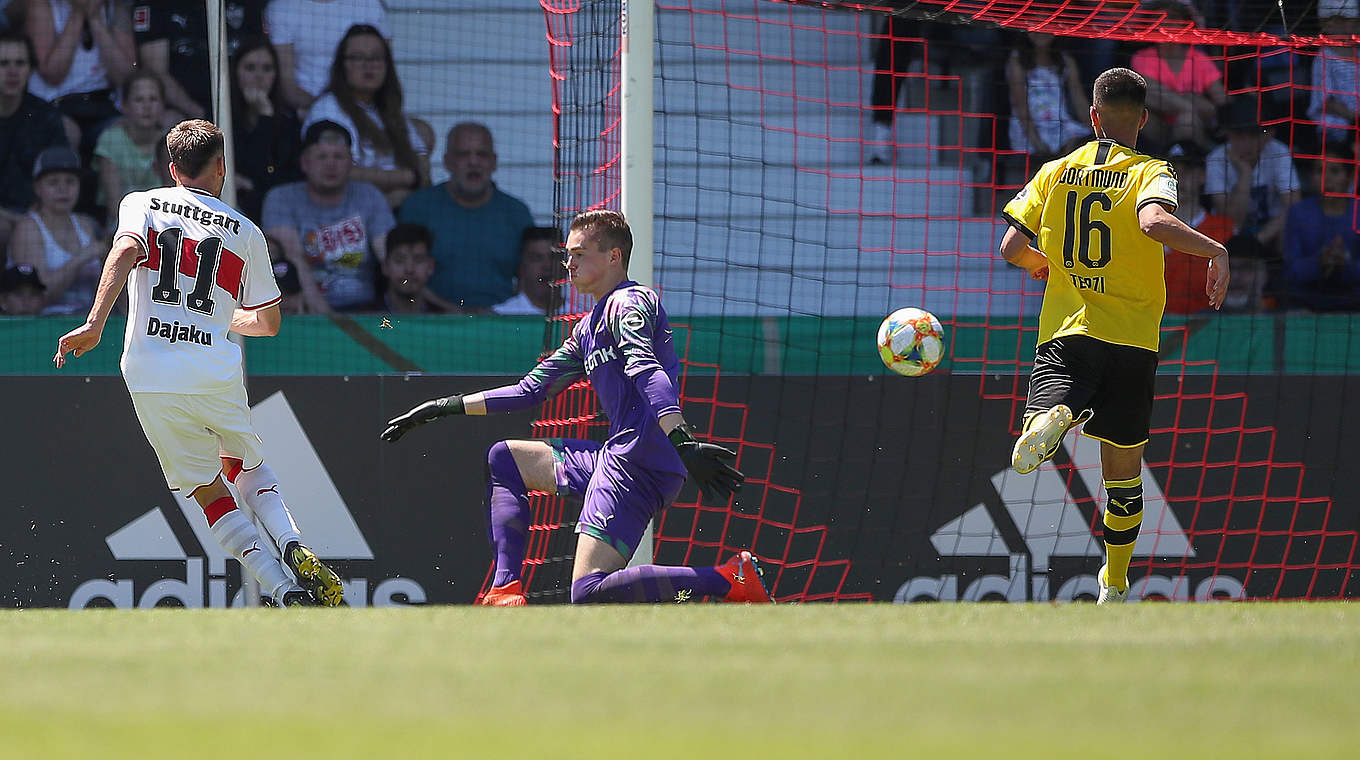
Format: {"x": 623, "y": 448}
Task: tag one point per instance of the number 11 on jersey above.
{"x": 199, "y": 259}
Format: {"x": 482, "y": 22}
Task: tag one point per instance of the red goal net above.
{"x": 819, "y": 165}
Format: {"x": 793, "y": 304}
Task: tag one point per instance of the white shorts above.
{"x": 191, "y": 432}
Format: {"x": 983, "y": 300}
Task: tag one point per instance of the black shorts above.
{"x": 1107, "y": 384}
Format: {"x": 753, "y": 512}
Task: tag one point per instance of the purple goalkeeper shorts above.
{"x": 620, "y": 499}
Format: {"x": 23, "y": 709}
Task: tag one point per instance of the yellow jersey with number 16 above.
{"x": 1105, "y": 277}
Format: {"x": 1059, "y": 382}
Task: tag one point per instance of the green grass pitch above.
{"x": 685, "y": 681}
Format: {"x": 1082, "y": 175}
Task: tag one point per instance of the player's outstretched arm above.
{"x": 1161, "y": 225}
{"x": 544, "y": 381}
{"x": 709, "y": 464}
{"x": 121, "y": 259}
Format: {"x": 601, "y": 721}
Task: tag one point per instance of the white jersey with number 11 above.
{"x": 201, "y": 260}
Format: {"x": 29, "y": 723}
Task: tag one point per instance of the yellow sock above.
{"x": 1123, "y": 516}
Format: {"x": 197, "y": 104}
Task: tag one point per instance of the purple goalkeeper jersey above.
{"x": 623, "y": 346}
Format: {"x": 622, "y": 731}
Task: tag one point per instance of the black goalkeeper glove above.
{"x": 427, "y": 412}
{"x": 707, "y": 463}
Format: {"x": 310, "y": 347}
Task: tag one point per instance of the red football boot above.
{"x": 748, "y": 582}
{"x": 509, "y": 595}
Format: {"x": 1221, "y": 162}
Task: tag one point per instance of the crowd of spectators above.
{"x": 1248, "y": 131}
{"x": 338, "y": 173}
{"x": 1185, "y": 86}
{"x": 326, "y": 157}
{"x": 364, "y": 96}
{"x": 477, "y": 226}
{"x": 172, "y": 42}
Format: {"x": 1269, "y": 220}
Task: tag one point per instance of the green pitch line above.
{"x": 864, "y": 681}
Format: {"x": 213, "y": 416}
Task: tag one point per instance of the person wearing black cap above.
{"x": 21, "y": 291}
{"x": 332, "y": 228}
{"x": 1251, "y": 180}
{"x": 62, "y": 245}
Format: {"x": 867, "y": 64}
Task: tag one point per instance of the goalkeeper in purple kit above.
{"x": 623, "y": 346}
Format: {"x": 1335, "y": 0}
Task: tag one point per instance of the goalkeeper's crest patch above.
{"x": 633, "y": 322}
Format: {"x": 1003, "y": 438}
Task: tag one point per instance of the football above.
{"x": 911, "y": 342}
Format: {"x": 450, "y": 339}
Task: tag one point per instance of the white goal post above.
{"x": 638, "y": 27}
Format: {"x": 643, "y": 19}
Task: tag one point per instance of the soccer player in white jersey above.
{"x": 199, "y": 269}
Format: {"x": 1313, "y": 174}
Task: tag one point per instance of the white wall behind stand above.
{"x": 764, "y": 202}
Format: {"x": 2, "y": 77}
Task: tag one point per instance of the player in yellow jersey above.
{"x": 1093, "y": 224}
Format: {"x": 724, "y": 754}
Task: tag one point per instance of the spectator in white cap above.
{"x": 64, "y": 247}
{"x": 1335, "y": 100}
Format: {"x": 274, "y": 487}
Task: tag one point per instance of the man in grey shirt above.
{"x": 331, "y": 229}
